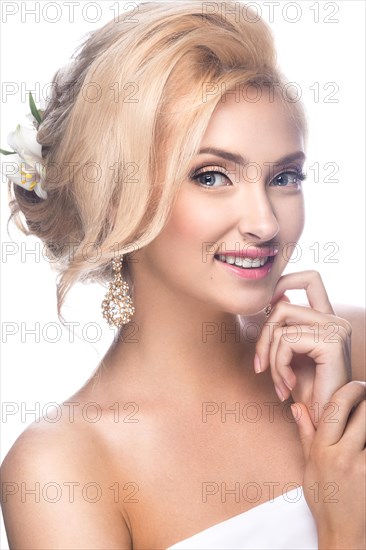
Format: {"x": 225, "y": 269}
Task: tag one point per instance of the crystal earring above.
{"x": 267, "y": 310}
{"x": 117, "y": 306}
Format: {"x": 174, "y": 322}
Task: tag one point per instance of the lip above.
{"x": 249, "y": 273}
{"x": 250, "y": 252}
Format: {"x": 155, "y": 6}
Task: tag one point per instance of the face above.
{"x": 243, "y": 196}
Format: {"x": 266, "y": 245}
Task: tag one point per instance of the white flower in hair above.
{"x": 26, "y": 166}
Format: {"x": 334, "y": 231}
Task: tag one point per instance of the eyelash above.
{"x": 212, "y": 169}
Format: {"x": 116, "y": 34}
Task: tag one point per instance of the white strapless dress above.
{"x": 283, "y": 523}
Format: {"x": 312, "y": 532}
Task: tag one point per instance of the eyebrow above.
{"x": 239, "y": 159}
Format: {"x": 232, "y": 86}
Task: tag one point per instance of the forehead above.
{"x": 261, "y": 130}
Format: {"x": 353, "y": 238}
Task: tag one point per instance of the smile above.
{"x": 251, "y": 264}
{"x": 245, "y": 263}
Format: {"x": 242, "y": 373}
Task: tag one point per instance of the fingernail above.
{"x": 279, "y": 393}
{"x": 257, "y": 364}
{"x": 295, "y": 412}
{"x": 287, "y": 384}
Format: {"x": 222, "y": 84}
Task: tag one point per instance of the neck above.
{"x": 173, "y": 342}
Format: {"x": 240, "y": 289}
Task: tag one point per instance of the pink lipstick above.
{"x": 249, "y": 263}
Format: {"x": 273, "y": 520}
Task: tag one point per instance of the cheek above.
{"x": 181, "y": 242}
{"x": 187, "y": 220}
{"x": 291, "y": 225}
{"x": 194, "y": 225}
{"x": 194, "y": 219}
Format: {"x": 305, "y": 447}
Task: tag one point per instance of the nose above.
{"x": 257, "y": 220}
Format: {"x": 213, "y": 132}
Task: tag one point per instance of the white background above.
{"x": 317, "y": 54}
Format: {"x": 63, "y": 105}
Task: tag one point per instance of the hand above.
{"x": 335, "y": 467}
{"x": 307, "y": 348}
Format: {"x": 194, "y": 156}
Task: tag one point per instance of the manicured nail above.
{"x": 257, "y": 364}
{"x": 279, "y": 393}
{"x": 295, "y": 412}
{"x": 287, "y": 384}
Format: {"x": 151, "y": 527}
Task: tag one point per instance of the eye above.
{"x": 288, "y": 179}
{"x": 211, "y": 176}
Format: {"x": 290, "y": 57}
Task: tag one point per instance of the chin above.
{"x": 253, "y": 312}
{"x": 253, "y": 306}
{"x": 249, "y": 310}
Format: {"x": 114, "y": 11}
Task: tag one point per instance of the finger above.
{"x": 294, "y": 313}
{"x": 331, "y": 429}
{"x": 281, "y": 354}
{"x": 298, "y": 340}
{"x": 331, "y": 372}
{"x": 282, "y": 374}
{"x": 283, "y": 314}
{"x": 355, "y": 432}
{"x": 282, "y": 298}
{"x": 312, "y": 283}
{"x": 304, "y": 426}
{"x": 291, "y": 314}
{"x": 286, "y": 315}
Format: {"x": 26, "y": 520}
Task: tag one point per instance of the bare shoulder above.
{"x": 357, "y": 317}
{"x": 55, "y": 479}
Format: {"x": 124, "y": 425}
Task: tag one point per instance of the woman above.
{"x": 200, "y": 146}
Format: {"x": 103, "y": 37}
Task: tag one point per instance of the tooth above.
{"x": 238, "y": 261}
{"x": 230, "y": 259}
{"x": 222, "y": 257}
{"x": 256, "y": 263}
{"x": 247, "y": 262}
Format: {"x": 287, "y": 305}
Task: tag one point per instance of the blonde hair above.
{"x": 130, "y": 90}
